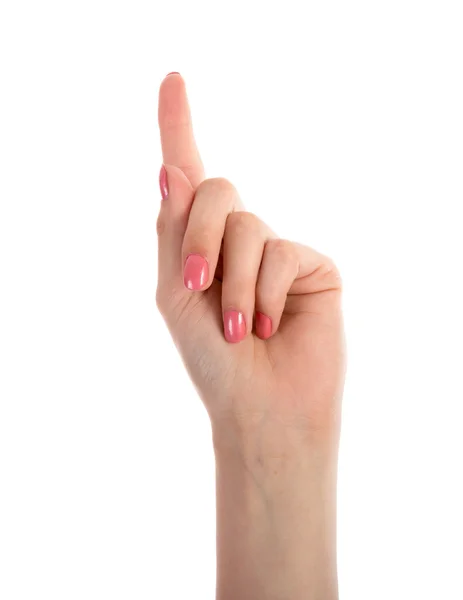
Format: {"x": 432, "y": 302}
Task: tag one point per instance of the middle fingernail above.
{"x": 234, "y": 326}
{"x": 195, "y": 272}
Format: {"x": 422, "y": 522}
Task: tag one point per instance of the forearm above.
{"x": 276, "y": 522}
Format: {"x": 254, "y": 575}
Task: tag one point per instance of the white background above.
{"x": 341, "y": 125}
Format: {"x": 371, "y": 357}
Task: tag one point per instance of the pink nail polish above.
{"x": 234, "y": 326}
{"x": 163, "y": 182}
{"x": 173, "y": 73}
{"x": 263, "y": 325}
{"x": 195, "y": 272}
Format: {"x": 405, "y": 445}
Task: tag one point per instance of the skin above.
{"x": 273, "y": 392}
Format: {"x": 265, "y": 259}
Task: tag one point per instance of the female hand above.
{"x": 257, "y": 321}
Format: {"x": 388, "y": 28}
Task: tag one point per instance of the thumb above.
{"x": 177, "y": 198}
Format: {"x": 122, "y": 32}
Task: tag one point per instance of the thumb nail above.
{"x": 163, "y": 183}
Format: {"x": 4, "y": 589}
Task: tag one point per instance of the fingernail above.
{"x": 163, "y": 182}
{"x": 195, "y": 272}
{"x": 263, "y": 325}
{"x": 234, "y": 326}
{"x": 173, "y": 73}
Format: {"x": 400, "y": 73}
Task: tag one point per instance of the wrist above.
{"x": 260, "y": 441}
{"x": 276, "y": 515}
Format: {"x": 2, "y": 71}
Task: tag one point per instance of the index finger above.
{"x": 175, "y": 125}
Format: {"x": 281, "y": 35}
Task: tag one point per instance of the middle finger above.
{"x": 214, "y": 200}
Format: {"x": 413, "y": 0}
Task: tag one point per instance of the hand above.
{"x": 256, "y": 319}
{"x": 258, "y": 323}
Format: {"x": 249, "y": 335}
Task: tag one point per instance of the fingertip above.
{"x": 195, "y": 272}
{"x": 263, "y": 326}
{"x": 234, "y": 326}
{"x": 172, "y": 80}
{"x": 173, "y": 101}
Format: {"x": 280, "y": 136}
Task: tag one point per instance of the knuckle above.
{"x": 217, "y": 186}
{"x": 282, "y": 251}
{"x": 241, "y": 222}
{"x": 270, "y": 297}
{"x": 330, "y": 273}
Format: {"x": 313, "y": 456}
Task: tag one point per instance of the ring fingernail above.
{"x": 195, "y": 272}
{"x": 263, "y": 325}
{"x": 234, "y": 326}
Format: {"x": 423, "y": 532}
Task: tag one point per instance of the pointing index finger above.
{"x": 175, "y": 125}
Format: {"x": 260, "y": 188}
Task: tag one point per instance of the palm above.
{"x": 302, "y": 363}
